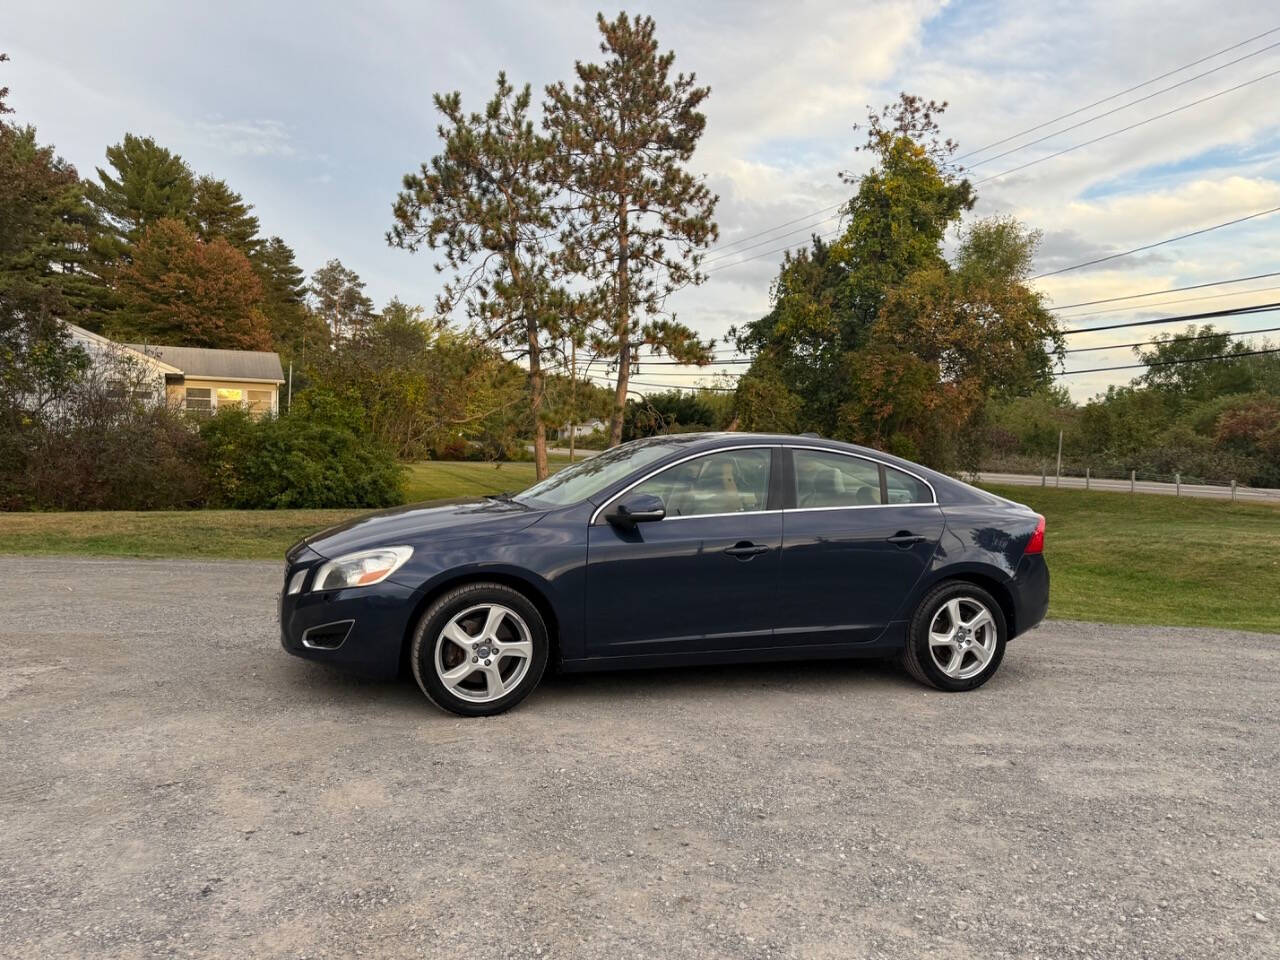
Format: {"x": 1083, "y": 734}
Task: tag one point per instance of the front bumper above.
{"x": 360, "y": 629}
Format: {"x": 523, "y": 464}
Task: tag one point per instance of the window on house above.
{"x": 199, "y": 400}
{"x": 229, "y": 397}
{"x": 259, "y": 402}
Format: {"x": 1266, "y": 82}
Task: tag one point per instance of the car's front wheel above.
{"x": 479, "y": 649}
{"x": 956, "y": 638}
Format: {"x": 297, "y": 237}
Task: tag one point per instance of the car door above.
{"x": 857, "y": 536}
{"x": 703, "y": 578}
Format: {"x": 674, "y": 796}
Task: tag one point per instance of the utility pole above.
{"x": 288, "y": 405}
{"x": 1057, "y": 480}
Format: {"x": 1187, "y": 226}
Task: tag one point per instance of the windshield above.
{"x": 583, "y": 480}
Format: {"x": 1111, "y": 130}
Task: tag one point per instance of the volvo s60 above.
{"x": 689, "y": 549}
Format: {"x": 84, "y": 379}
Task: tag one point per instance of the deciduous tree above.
{"x": 178, "y": 289}
{"x": 339, "y": 300}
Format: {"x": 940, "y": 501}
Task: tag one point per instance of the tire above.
{"x": 932, "y": 661}
{"x": 479, "y": 649}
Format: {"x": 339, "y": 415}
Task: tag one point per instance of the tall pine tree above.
{"x": 486, "y": 201}
{"x": 218, "y": 211}
{"x": 640, "y": 220}
{"x": 146, "y": 183}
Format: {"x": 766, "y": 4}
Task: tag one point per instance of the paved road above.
{"x": 174, "y": 785}
{"x": 1243, "y": 494}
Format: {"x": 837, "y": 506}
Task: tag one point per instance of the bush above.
{"x": 316, "y": 456}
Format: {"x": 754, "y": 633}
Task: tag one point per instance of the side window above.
{"x": 834, "y": 480}
{"x": 904, "y": 488}
{"x": 732, "y": 481}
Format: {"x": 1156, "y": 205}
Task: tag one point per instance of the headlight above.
{"x": 361, "y": 569}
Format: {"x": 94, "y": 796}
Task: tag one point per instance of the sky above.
{"x": 315, "y": 111}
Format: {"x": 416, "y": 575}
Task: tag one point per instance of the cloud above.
{"x": 245, "y": 138}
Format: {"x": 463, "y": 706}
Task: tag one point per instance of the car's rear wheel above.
{"x": 956, "y": 638}
{"x": 479, "y": 649}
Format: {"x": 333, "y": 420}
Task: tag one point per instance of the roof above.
{"x": 203, "y": 362}
{"x": 101, "y": 343}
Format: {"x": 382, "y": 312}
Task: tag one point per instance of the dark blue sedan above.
{"x": 692, "y": 549}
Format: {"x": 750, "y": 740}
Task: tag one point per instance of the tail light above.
{"x": 1036, "y": 543}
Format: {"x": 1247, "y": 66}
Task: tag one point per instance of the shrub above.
{"x": 315, "y": 456}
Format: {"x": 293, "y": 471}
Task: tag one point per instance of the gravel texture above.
{"x": 173, "y": 784}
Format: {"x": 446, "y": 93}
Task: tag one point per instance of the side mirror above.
{"x": 643, "y": 508}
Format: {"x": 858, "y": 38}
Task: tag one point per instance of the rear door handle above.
{"x": 904, "y": 538}
{"x": 745, "y": 549}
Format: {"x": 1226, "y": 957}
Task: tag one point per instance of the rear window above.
{"x": 904, "y": 488}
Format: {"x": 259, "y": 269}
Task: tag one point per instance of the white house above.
{"x": 198, "y": 379}
{"x": 579, "y": 429}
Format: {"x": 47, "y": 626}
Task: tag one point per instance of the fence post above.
{"x": 1133, "y": 478}
{"x": 1233, "y": 491}
{"x": 1042, "y": 473}
{"x": 1086, "y": 478}
{"x": 1177, "y": 484}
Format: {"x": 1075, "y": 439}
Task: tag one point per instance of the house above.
{"x": 197, "y": 379}
{"x": 579, "y": 429}
{"x": 208, "y": 380}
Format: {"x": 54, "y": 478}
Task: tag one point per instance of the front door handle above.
{"x": 745, "y": 549}
{"x": 905, "y": 538}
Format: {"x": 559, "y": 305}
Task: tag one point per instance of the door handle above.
{"x": 904, "y": 538}
{"x": 745, "y": 549}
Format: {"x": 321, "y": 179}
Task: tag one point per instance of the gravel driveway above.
{"x": 173, "y": 784}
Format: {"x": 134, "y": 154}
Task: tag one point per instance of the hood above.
{"x": 436, "y": 519}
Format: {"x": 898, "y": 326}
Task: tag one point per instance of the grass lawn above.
{"x": 1114, "y": 557}
{"x": 1134, "y": 558}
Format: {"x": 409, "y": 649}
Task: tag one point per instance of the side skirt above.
{"x": 888, "y": 644}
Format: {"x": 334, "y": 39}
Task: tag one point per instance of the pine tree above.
{"x": 294, "y": 327}
{"x": 218, "y": 211}
{"x": 148, "y": 183}
{"x": 486, "y": 201}
{"x": 339, "y": 300}
{"x": 640, "y": 220}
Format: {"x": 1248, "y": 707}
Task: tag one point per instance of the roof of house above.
{"x": 203, "y": 362}
{"x": 98, "y": 341}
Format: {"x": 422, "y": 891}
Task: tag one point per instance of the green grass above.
{"x": 1126, "y": 558}
{"x": 1114, "y": 557}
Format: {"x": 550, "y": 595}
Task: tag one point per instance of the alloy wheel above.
{"x": 483, "y": 653}
{"x": 962, "y": 637}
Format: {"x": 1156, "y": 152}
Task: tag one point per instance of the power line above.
{"x": 734, "y": 243}
{"x": 1209, "y": 315}
{"x": 1156, "y": 293}
{"x": 1176, "y": 338}
{"x": 1158, "y": 243}
{"x": 1098, "y": 103}
{"x": 771, "y": 239}
{"x": 1125, "y": 106}
{"x": 1165, "y": 303}
{"x": 1170, "y": 363}
{"x": 1132, "y": 126}
{"x": 822, "y": 236}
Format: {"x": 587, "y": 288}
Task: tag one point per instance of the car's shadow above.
{"x": 726, "y": 682}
